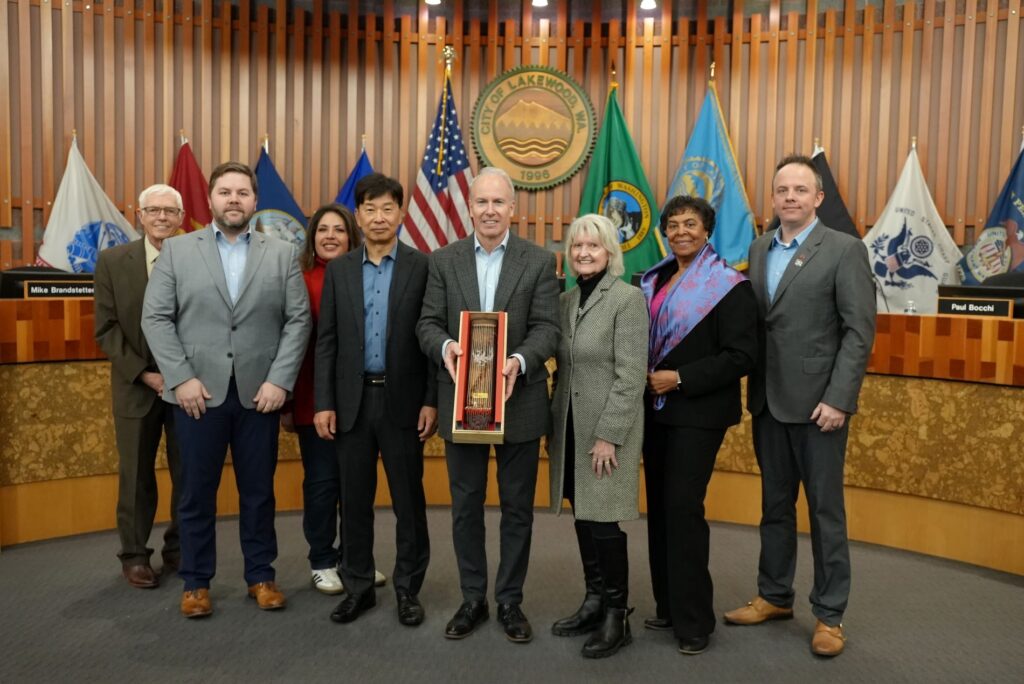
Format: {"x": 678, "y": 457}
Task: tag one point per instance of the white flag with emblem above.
{"x": 910, "y": 247}
{"x": 83, "y": 222}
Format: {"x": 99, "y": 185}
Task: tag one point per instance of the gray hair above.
{"x": 603, "y": 228}
{"x": 159, "y": 189}
{"x": 495, "y": 171}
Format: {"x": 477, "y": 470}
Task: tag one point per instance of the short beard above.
{"x": 226, "y": 225}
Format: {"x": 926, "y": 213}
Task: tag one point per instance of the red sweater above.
{"x": 303, "y": 394}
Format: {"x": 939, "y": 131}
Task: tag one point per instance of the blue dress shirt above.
{"x": 376, "y": 288}
{"x": 779, "y": 256}
{"x": 233, "y": 256}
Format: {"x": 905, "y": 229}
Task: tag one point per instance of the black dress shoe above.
{"x": 410, "y": 612}
{"x": 693, "y": 645}
{"x": 517, "y": 627}
{"x": 469, "y": 616}
{"x": 353, "y": 605}
{"x": 658, "y": 624}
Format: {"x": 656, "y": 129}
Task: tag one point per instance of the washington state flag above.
{"x": 616, "y": 187}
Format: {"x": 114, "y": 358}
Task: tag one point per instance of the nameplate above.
{"x": 971, "y": 306}
{"x": 58, "y": 289}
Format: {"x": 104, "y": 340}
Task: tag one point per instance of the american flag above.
{"x": 439, "y": 209}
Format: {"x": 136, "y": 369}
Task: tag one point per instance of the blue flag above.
{"x": 347, "y": 194}
{"x": 1000, "y": 247}
{"x": 709, "y": 170}
{"x": 277, "y": 212}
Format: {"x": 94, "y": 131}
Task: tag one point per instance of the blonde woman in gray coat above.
{"x": 594, "y": 453}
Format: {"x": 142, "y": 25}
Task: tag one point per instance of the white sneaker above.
{"x": 326, "y": 581}
{"x": 379, "y": 580}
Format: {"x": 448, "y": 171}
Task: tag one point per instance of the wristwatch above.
{"x": 679, "y": 380}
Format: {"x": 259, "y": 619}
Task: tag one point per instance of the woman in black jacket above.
{"x": 703, "y": 339}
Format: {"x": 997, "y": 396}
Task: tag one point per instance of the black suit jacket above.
{"x": 339, "y": 369}
{"x": 120, "y": 286}
{"x": 720, "y": 350}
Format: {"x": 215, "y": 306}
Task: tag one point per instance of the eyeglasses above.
{"x": 153, "y": 212}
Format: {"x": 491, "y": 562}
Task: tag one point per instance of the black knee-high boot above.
{"x": 614, "y": 631}
{"x": 591, "y": 613}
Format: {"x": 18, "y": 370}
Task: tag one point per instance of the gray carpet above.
{"x": 68, "y": 616}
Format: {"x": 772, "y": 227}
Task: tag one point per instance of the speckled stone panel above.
{"x": 952, "y": 441}
{"x": 56, "y": 422}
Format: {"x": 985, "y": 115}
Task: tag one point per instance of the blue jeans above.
{"x": 321, "y": 496}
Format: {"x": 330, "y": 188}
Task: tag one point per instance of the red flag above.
{"x": 187, "y": 178}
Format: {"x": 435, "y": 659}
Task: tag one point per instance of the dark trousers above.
{"x": 788, "y": 454}
{"x": 517, "y": 483}
{"x": 321, "y": 492}
{"x": 401, "y": 451}
{"x": 203, "y": 443}
{"x": 678, "y": 463}
{"x": 137, "y": 442}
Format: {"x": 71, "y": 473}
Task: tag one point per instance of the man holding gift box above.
{"x": 494, "y": 270}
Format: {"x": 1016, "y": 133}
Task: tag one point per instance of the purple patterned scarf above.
{"x": 705, "y": 282}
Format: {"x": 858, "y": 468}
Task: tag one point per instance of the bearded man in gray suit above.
{"x": 816, "y": 305}
{"x": 227, "y": 317}
{"x": 493, "y": 270}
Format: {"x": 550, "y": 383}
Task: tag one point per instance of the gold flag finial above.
{"x": 712, "y": 78}
{"x": 913, "y": 142}
{"x": 615, "y": 81}
{"x": 448, "y": 53}
{"x": 817, "y": 142}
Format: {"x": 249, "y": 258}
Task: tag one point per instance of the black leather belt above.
{"x": 374, "y": 380}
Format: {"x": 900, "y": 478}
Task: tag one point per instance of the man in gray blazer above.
{"x": 140, "y": 417}
{"x": 493, "y": 270}
{"x": 227, "y": 317}
{"x": 816, "y": 301}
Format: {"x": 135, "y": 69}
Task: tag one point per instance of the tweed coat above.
{"x": 528, "y": 291}
{"x": 602, "y": 368}
{"x": 195, "y": 331}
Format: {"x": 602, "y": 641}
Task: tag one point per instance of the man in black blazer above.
{"x": 493, "y": 270}
{"x": 376, "y": 393}
{"x": 816, "y": 307}
{"x": 140, "y": 417}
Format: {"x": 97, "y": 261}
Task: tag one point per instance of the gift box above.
{"x": 479, "y": 412}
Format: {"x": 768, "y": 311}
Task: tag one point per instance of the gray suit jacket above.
{"x": 528, "y": 291}
{"x": 120, "y": 286}
{"x": 195, "y": 331}
{"x": 602, "y": 369}
{"x": 818, "y": 332}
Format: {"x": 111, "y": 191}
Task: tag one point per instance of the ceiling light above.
{"x": 539, "y": 3}
{"x": 648, "y": 5}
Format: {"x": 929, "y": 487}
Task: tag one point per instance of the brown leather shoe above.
{"x": 756, "y": 612}
{"x": 827, "y": 641}
{"x": 140, "y": 576}
{"x": 267, "y": 595}
{"x": 196, "y": 603}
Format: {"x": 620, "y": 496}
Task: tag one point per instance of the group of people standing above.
{"x": 363, "y": 331}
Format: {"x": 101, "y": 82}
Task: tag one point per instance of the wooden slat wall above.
{"x": 316, "y": 79}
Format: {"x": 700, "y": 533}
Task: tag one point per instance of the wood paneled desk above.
{"x": 934, "y": 463}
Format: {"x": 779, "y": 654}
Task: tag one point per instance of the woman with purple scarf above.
{"x": 703, "y": 339}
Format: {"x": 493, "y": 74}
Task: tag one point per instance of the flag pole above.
{"x": 913, "y": 142}
{"x": 364, "y": 142}
{"x": 711, "y": 77}
{"x": 449, "y": 56}
{"x": 266, "y": 143}
{"x": 181, "y": 133}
